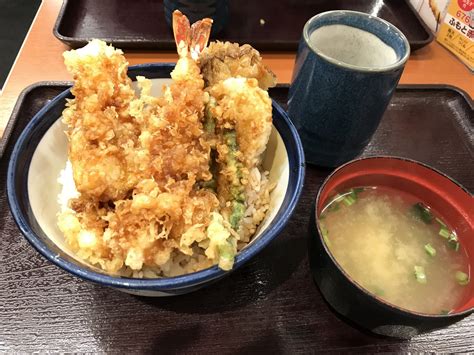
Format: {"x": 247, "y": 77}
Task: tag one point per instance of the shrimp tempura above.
{"x": 101, "y": 132}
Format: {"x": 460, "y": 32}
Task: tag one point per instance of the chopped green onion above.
{"x": 430, "y": 250}
{"x": 423, "y": 213}
{"x": 454, "y": 245}
{"x": 462, "y": 278}
{"x": 333, "y": 207}
{"x": 444, "y": 312}
{"x": 378, "y": 291}
{"x": 444, "y": 232}
{"x": 348, "y": 200}
{"x": 453, "y": 241}
{"x": 420, "y": 274}
{"x": 442, "y": 224}
{"x": 226, "y": 250}
{"x": 325, "y": 232}
{"x": 337, "y": 197}
{"x": 352, "y": 194}
{"x": 451, "y": 236}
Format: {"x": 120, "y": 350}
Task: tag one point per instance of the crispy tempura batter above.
{"x": 102, "y": 134}
{"x": 223, "y": 60}
{"x": 242, "y": 105}
{"x": 146, "y": 167}
{"x": 161, "y": 136}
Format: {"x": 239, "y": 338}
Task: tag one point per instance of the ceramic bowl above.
{"x": 345, "y": 296}
{"x": 41, "y": 153}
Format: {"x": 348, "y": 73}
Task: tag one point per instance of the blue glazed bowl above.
{"x": 41, "y": 153}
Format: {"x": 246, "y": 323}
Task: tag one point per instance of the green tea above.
{"x": 397, "y": 248}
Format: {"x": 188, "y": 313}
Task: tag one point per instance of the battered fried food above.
{"x": 243, "y": 121}
{"x": 102, "y": 134}
{"x": 223, "y": 60}
{"x": 243, "y": 106}
{"x": 168, "y": 185}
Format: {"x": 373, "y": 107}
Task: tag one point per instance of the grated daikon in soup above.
{"x": 397, "y": 248}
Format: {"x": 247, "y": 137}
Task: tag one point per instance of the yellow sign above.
{"x": 457, "y": 31}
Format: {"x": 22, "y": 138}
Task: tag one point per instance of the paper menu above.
{"x": 456, "y": 32}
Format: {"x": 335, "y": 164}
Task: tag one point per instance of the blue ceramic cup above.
{"x": 347, "y": 68}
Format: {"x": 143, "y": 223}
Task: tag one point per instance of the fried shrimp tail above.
{"x": 200, "y": 32}
{"x": 182, "y": 33}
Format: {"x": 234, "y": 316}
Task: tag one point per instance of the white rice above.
{"x": 69, "y": 190}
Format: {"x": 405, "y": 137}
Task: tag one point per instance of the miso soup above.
{"x": 397, "y": 248}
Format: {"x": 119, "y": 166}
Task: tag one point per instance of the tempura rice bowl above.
{"x": 33, "y": 188}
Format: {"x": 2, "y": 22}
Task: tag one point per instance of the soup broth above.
{"x": 397, "y": 248}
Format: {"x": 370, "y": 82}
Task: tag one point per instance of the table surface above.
{"x": 39, "y": 60}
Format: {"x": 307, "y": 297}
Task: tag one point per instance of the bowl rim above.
{"x": 380, "y": 301}
{"x": 296, "y": 178}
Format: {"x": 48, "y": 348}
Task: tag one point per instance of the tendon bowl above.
{"x": 40, "y": 154}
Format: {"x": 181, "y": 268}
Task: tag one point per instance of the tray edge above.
{"x": 5, "y": 138}
{"x": 415, "y": 45}
{"x": 456, "y": 89}
{"x": 131, "y": 43}
{"x": 57, "y": 23}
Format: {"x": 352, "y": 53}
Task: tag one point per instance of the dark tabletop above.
{"x": 270, "y": 305}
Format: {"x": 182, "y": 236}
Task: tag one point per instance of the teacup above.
{"x": 347, "y": 68}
